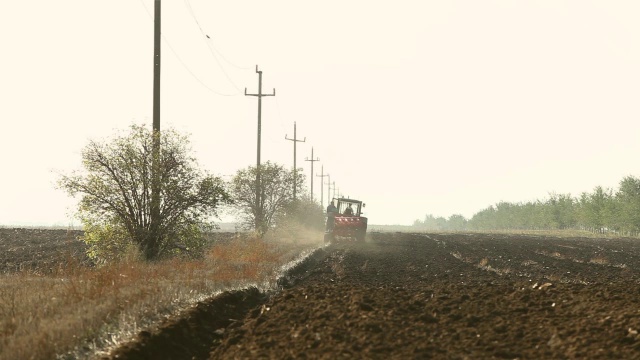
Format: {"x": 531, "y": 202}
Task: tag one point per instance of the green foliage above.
{"x": 118, "y": 207}
{"x": 455, "y": 222}
{"x": 107, "y": 243}
{"x": 261, "y": 212}
{"x": 602, "y": 210}
{"x": 628, "y": 205}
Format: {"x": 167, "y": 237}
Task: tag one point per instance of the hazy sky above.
{"x": 415, "y": 107}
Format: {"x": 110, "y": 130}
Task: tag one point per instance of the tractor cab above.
{"x": 349, "y": 207}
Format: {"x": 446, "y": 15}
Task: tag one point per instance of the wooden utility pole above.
{"x": 322, "y": 176}
{"x": 312, "y": 161}
{"x": 259, "y": 194}
{"x": 157, "y": 35}
{"x": 152, "y": 243}
{"x": 328, "y": 189}
{"x": 295, "y": 166}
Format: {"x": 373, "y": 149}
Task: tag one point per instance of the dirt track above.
{"x": 449, "y": 296}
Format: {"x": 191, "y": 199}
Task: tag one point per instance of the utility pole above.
{"x": 322, "y": 176}
{"x": 295, "y": 166}
{"x": 157, "y": 35}
{"x": 259, "y": 197}
{"x": 156, "y": 66}
{"x": 328, "y": 189}
{"x": 151, "y": 247}
{"x": 312, "y": 161}
{"x": 334, "y": 188}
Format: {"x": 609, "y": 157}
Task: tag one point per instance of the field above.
{"x": 403, "y": 295}
{"x": 39, "y": 250}
{"x": 55, "y": 303}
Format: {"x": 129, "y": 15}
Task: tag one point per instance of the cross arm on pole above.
{"x": 286, "y": 137}
{"x": 260, "y": 95}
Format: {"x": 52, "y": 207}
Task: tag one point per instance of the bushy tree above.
{"x": 484, "y": 219}
{"x": 116, "y": 189}
{"x": 456, "y": 222}
{"x": 261, "y": 212}
{"x": 599, "y": 208}
{"x": 440, "y": 223}
{"x": 560, "y": 211}
{"x": 628, "y": 201}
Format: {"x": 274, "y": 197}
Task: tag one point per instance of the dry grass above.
{"x": 484, "y": 265}
{"x": 555, "y": 254}
{"x": 529, "y": 262}
{"x": 483, "y": 262}
{"x": 600, "y": 260}
{"x": 78, "y": 310}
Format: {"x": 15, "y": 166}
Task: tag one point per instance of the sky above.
{"x": 415, "y": 107}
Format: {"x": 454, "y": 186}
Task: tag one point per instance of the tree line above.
{"x": 116, "y": 187}
{"x": 603, "y": 210}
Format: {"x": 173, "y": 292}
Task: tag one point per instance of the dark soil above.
{"x": 192, "y": 335}
{"x": 40, "y": 250}
{"x": 450, "y": 296}
{"x": 47, "y": 251}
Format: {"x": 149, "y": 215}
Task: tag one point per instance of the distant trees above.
{"x": 627, "y": 206}
{"x": 602, "y": 210}
{"x": 276, "y": 201}
{"x": 455, "y": 222}
{"x": 557, "y": 212}
{"x": 596, "y": 209}
{"x": 116, "y": 204}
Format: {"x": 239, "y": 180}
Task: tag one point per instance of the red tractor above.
{"x": 347, "y": 222}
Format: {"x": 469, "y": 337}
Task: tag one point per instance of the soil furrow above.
{"x": 449, "y": 296}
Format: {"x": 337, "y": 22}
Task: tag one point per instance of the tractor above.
{"x": 347, "y": 222}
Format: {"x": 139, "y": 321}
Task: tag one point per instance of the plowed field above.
{"x": 40, "y": 250}
{"x": 449, "y": 296}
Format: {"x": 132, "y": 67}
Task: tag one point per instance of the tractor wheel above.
{"x": 361, "y": 235}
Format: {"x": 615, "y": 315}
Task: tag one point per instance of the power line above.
{"x": 184, "y": 64}
{"x": 273, "y": 136}
{"x": 279, "y": 114}
{"x": 210, "y": 42}
{"x": 205, "y": 36}
{"x": 195, "y": 76}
